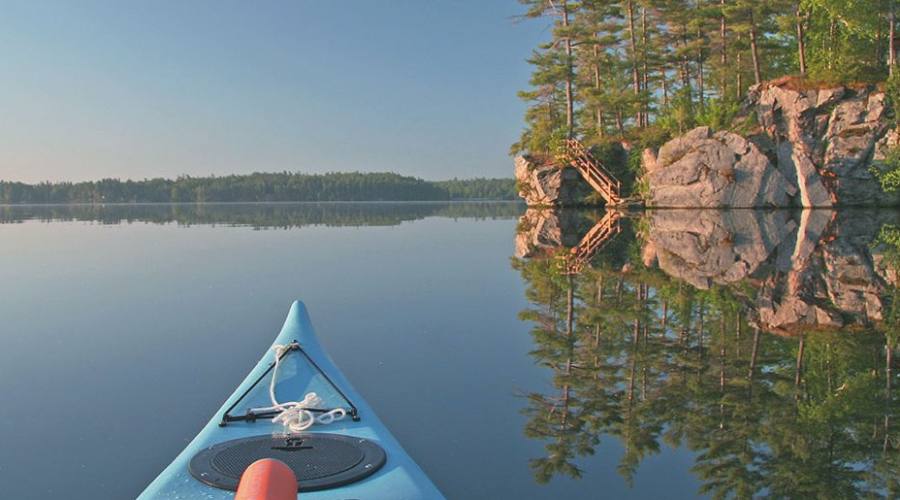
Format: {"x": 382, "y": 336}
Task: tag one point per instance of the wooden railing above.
{"x": 601, "y": 179}
{"x": 599, "y": 235}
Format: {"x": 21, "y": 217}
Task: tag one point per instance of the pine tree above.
{"x": 614, "y": 68}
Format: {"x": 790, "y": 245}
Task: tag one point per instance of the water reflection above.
{"x": 262, "y": 215}
{"x": 761, "y": 341}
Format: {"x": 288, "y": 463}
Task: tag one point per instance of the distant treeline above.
{"x": 260, "y": 187}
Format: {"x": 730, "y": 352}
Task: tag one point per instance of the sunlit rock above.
{"x": 823, "y": 144}
{"x": 547, "y": 185}
{"x": 702, "y": 169}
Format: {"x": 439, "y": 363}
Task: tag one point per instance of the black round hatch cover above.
{"x": 319, "y": 460}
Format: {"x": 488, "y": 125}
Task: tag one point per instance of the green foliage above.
{"x": 889, "y": 235}
{"x": 846, "y": 40}
{"x": 614, "y": 158}
{"x": 557, "y": 146}
{"x": 678, "y": 117}
{"x": 259, "y": 187}
{"x": 651, "y": 137}
{"x": 718, "y": 114}
{"x": 888, "y": 171}
{"x": 892, "y": 95}
{"x": 669, "y": 66}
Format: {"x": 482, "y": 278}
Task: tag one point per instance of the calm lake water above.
{"x": 514, "y": 354}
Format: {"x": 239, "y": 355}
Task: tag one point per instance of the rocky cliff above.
{"x": 543, "y": 184}
{"x": 807, "y": 148}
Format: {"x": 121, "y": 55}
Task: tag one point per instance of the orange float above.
{"x": 267, "y": 479}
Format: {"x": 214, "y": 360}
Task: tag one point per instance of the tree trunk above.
{"x": 723, "y": 34}
{"x": 754, "y": 50}
{"x": 888, "y": 374}
{"x": 892, "y": 50}
{"x": 646, "y": 72}
{"x": 665, "y": 316}
{"x": 635, "y": 77}
{"x": 570, "y": 108}
{"x": 753, "y": 354}
{"x": 832, "y": 28}
{"x": 599, "y": 109}
{"x": 570, "y": 307}
{"x": 740, "y": 77}
{"x": 888, "y": 369}
{"x": 665, "y": 87}
{"x": 801, "y": 45}
{"x": 685, "y": 68}
{"x": 700, "y": 86}
{"x": 798, "y": 371}
{"x": 634, "y": 341}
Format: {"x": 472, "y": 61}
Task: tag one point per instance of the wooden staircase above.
{"x": 602, "y": 180}
{"x": 599, "y": 235}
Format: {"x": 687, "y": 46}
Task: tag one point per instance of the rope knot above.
{"x": 298, "y": 415}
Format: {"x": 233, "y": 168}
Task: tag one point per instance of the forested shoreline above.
{"x": 260, "y": 187}
{"x": 643, "y": 71}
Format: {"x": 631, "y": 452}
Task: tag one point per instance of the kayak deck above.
{"x": 399, "y": 478}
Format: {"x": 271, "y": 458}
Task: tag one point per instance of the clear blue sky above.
{"x": 93, "y": 89}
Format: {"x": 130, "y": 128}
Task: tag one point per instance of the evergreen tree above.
{"x": 644, "y": 69}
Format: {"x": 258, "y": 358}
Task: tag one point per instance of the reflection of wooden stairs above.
{"x": 602, "y": 180}
{"x": 599, "y": 235}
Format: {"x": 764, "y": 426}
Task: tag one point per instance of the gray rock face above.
{"x": 822, "y": 144}
{"x": 702, "y": 169}
{"x": 548, "y": 185}
{"x": 826, "y": 139}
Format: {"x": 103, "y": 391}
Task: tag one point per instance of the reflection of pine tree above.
{"x": 557, "y": 419}
{"x": 649, "y": 360}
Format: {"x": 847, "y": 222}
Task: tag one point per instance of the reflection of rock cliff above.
{"x": 795, "y": 270}
{"x": 812, "y": 148}
{"x": 704, "y": 247}
{"x": 542, "y": 232}
{"x": 817, "y": 270}
{"x": 831, "y": 284}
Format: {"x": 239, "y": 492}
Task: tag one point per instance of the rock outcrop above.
{"x": 713, "y": 170}
{"x": 811, "y": 148}
{"x": 547, "y": 185}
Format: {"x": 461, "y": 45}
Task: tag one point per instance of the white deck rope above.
{"x": 295, "y": 415}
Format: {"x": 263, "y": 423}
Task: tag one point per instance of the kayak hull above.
{"x": 399, "y": 478}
